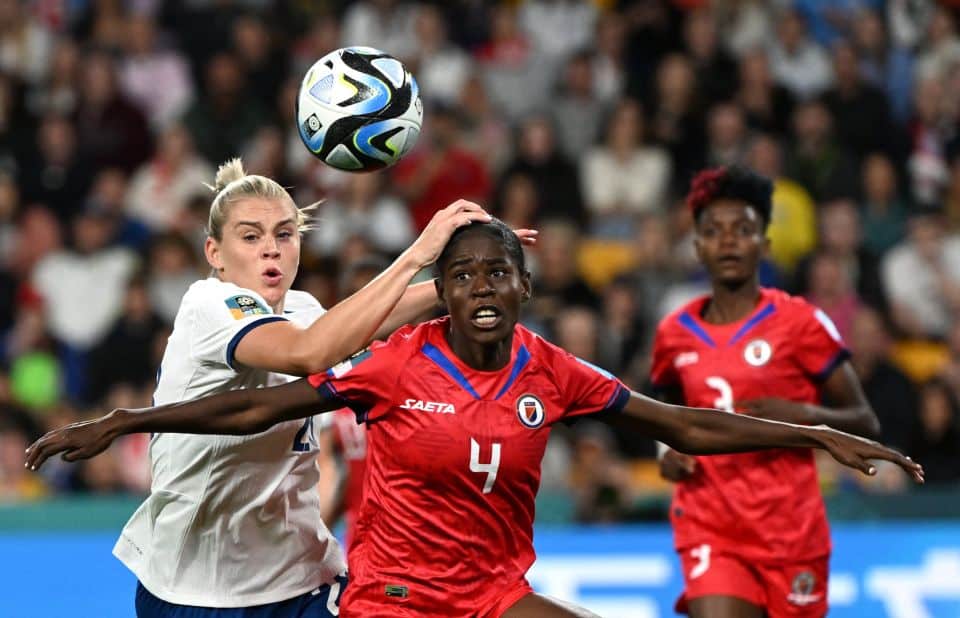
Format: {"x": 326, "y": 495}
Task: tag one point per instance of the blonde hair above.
{"x": 232, "y": 184}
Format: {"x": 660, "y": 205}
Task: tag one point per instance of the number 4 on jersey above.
{"x": 489, "y": 468}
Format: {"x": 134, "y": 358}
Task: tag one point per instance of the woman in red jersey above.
{"x": 458, "y": 412}
{"x": 750, "y": 528}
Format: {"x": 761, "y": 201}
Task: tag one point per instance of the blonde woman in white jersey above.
{"x": 232, "y": 528}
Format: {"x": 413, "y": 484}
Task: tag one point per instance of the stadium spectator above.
{"x": 441, "y": 67}
{"x": 64, "y": 279}
{"x": 625, "y": 175}
{"x": 111, "y": 130}
{"x": 517, "y": 203}
{"x": 555, "y": 176}
{"x": 922, "y": 276}
{"x": 716, "y": 72}
{"x": 55, "y": 174}
{"x": 793, "y": 227}
{"x": 160, "y": 188}
{"x": 363, "y": 210}
{"x": 884, "y": 64}
{"x": 817, "y": 160}
{"x": 609, "y": 60}
{"x": 884, "y": 212}
{"x": 125, "y": 354}
{"x": 156, "y": 77}
{"x": 25, "y": 44}
{"x": 515, "y": 73}
{"x": 60, "y": 93}
{"x": 767, "y": 105}
{"x": 558, "y": 282}
{"x": 382, "y": 24}
{"x": 861, "y": 114}
{"x": 259, "y": 57}
{"x": 888, "y": 389}
{"x": 674, "y": 120}
{"x": 440, "y": 170}
{"x": 797, "y": 62}
{"x": 841, "y": 236}
{"x": 227, "y": 115}
{"x": 543, "y": 19}
{"x": 938, "y": 446}
{"x": 726, "y": 135}
{"x": 171, "y": 269}
{"x": 577, "y": 110}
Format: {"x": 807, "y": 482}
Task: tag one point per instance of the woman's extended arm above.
{"x": 237, "y": 412}
{"x": 703, "y": 432}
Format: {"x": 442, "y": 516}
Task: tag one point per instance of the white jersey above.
{"x": 231, "y": 521}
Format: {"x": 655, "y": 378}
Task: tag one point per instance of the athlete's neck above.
{"x": 730, "y": 303}
{"x": 481, "y": 356}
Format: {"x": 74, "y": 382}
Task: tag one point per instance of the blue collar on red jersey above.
{"x": 450, "y": 368}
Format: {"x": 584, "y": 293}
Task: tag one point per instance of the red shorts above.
{"x": 784, "y": 590}
{"x": 369, "y": 601}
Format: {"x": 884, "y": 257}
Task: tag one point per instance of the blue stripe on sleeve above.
{"x": 235, "y": 341}
{"x": 838, "y": 359}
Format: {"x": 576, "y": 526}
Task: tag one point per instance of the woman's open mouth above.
{"x": 272, "y": 276}
{"x": 486, "y": 317}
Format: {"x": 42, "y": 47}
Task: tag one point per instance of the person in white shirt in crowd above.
{"x": 623, "y": 176}
{"x": 796, "y": 61}
{"x": 922, "y": 276}
{"x": 160, "y": 188}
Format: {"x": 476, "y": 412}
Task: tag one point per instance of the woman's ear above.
{"x": 438, "y": 286}
{"x": 211, "y": 249}
{"x": 526, "y": 286}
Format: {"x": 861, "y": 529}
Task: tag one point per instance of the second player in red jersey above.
{"x": 457, "y": 414}
{"x": 751, "y": 528}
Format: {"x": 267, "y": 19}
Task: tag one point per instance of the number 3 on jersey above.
{"x": 490, "y": 469}
{"x": 725, "y": 400}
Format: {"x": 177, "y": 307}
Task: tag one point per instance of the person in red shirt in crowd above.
{"x": 441, "y": 168}
{"x": 751, "y": 528}
{"x": 458, "y": 411}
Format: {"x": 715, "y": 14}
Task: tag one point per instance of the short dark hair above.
{"x": 496, "y": 229}
{"x": 732, "y": 182}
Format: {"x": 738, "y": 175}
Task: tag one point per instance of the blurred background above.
{"x": 583, "y": 119}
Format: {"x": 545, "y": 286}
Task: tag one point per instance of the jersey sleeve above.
{"x": 820, "y": 349}
{"x": 221, "y": 317}
{"x": 365, "y": 379}
{"x": 588, "y": 389}
{"x": 663, "y": 373}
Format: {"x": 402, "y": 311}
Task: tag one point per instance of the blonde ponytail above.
{"x": 232, "y": 183}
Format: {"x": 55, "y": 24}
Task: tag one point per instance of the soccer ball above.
{"x": 359, "y": 109}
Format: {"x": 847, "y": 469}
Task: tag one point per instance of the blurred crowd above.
{"x": 584, "y": 119}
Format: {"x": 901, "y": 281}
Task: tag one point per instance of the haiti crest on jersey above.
{"x": 757, "y": 353}
{"x": 530, "y": 411}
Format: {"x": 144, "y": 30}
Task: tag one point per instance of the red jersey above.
{"x": 453, "y": 466}
{"x": 351, "y": 442}
{"x": 765, "y": 506}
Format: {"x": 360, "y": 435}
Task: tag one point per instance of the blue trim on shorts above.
{"x": 324, "y": 602}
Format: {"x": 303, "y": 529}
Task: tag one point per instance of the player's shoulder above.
{"x": 789, "y": 306}
{"x": 549, "y": 358}
{"x": 673, "y": 322}
{"x": 413, "y": 336}
{"x": 298, "y": 300}
{"x": 207, "y": 297}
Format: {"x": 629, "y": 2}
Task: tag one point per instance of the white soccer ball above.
{"x": 359, "y": 109}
